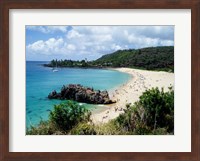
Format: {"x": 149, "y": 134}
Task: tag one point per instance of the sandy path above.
{"x": 130, "y": 92}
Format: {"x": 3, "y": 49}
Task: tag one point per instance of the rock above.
{"x": 52, "y": 95}
{"x": 108, "y": 101}
{"x": 79, "y": 93}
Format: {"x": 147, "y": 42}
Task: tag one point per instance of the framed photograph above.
{"x": 84, "y": 80}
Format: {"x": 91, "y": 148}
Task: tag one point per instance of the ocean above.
{"x": 40, "y": 81}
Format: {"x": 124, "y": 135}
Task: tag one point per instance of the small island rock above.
{"x": 79, "y": 93}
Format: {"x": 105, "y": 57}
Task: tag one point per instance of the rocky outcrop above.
{"x": 79, "y": 93}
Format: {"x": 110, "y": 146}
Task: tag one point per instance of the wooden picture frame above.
{"x": 194, "y": 5}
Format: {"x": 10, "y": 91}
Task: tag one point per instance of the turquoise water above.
{"x": 40, "y": 81}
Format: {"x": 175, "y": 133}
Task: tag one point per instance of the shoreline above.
{"x": 129, "y": 92}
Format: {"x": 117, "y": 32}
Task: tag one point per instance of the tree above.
{"x": 66, "y": 116}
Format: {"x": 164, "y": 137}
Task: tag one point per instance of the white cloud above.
{"x": 94, "y": 41}
{"x": 51, "y": 46}
{"x": 71, "y": 47}
{"x": 73, "y": 34}
{"x": 116, "y": 47}
{"x": 47, "y": 29}
{"x": 167, "y": 43}
{"x": 101, "y": 38}
{"x": 37, "y": 46}
{"x": 93, "y": 29}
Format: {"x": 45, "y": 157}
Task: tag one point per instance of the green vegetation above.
{"x": 83, "y": 129}
{"x": 66, "y": 116}
{"x": 44, "y": 128}
{"x": 151, "y": 58}
{"x": 68, "y": 63}
{"x": 62, "y": 119}
{"x": 153, "y": 114}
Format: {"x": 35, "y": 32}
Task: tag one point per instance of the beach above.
{"x": 129, "y": 92}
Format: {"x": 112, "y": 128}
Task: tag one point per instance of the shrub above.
{"x": 66, "y": 116}
{"x": 83, "y": 129}
{"x": 159, "y": 108}
{"x": 62, "y": 118}
{"x": 132, "y": 120}
{"x": 152, "y": 114}
{"x": 109, "y": 129}
{"x": 44, "y": 128}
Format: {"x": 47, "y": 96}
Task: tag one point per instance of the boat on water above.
{"x": 56, "y": 68}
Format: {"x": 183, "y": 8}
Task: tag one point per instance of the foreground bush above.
{"x": 62, "y": 119}
{"x": 152, "y": 114}
{"x": 83, "y": 129}
{"x": 66, "y": 116}
{"x": 110, "y": 128}
{"x": 159, "y": 108}
{"x": 44, "y": 128}
{"x": 102, "y": 129}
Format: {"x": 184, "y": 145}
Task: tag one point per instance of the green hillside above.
{"x": 151, "y": 58}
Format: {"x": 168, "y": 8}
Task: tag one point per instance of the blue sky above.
{"x": 44, "y": 43}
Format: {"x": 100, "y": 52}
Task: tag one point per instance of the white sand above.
{"x": 130, "y": 92}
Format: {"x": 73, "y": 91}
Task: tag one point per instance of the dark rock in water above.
{"x": 53, "y": 95}
{"x": 79, "y": 93}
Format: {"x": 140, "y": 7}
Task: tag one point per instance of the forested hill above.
{"x": 151, "y": 58}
